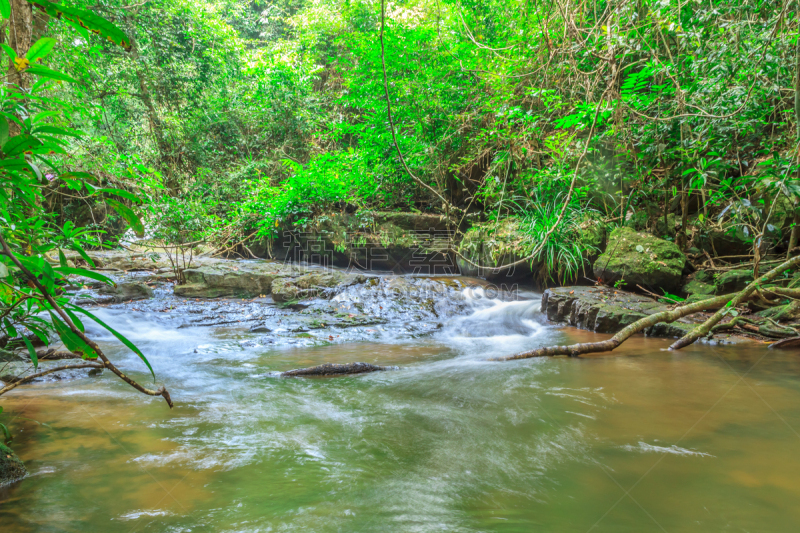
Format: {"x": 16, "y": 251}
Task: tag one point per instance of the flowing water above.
{"x": 701, "y": 440}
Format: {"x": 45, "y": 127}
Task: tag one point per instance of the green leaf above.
{"x": 71, "y": 341}
{"x": 82, "y": 253}
{"x": 85, "y": 19}
{"x": 75, "y": 320}
{"x": 53, "y": 130}
{"x": 3, "y": 127}
{"x": 6, "y": 432}
{"x": 5, "y": 8}
{"x": 62, "y": 259}
{"x": 12, "y": 331}
{"x": 121, "y": 192}
{"x": 8, "y": 50}
{"x": 40, "y": 49}
{"x": 21, "y": 143}
{"x": 131, "y": 217}
{"x": 86, "y": 273}
{"x": 31, "y": 352}
{"x": 118, "y": 335}
{"x": 50, "y": 73}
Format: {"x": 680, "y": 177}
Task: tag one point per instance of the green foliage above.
{"x": 37, "y": 165}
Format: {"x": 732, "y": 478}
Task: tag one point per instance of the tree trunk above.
{"x": 20, "y": 28}
{"x": 20, "y": 32}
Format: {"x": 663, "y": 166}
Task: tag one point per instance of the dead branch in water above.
{"x": 332, "y": 369}
{"x": 12, "y": 384}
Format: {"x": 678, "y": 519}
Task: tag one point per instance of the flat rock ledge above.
{"x": 605, "y": 310}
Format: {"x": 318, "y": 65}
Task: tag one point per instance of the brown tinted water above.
{"x": 705, "y": 439}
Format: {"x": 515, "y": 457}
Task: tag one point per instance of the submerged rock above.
{"x": 332, "y": 369}
{"x": 606, "y": 310}
{"x": 640, "y": 259}
{"x": 11, "y": 467}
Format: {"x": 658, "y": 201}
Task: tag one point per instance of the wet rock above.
{"x": 491, "y": 245}
{"x": 11, "y": 467}
{"x": 260, "y": 329}
{"x": 232, "y": 279}
{"x": 640, "y": 259}
{"x": 605, "y": 310}
{"x": 388, "y": 241}
{"x": 10, "y": 357}
{"x": 695, "y": 287}
{"x": 311, "y": 284}
{"x": 331, "y": 369}
{"x": 733, "y": 281}
{"x": 124, "y": 292}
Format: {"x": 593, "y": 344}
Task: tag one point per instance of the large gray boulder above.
{"x": 606, "y": 310}
{"x": 640, "y": 259}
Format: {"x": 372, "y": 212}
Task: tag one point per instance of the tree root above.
{"x": 703, "y": 329}
{"x": 765, "y": 326}
{"x": 331, "y": 369}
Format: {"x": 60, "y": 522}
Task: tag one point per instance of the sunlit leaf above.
{"x": 85, "y": 19}
{"x": 40, "y": 49}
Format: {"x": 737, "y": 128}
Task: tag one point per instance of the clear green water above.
{"x": 644, "y": 440}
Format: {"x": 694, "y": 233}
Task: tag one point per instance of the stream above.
{"x": 644, "y": 439}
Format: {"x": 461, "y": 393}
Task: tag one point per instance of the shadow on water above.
{"x": 703, "y": 439}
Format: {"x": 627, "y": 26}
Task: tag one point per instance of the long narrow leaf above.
{"x": 86, "y": 274}
{"x": 32, "y": 352}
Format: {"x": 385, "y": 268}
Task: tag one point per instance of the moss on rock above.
{"x": 640, "y": 259}
{"x": 11, "y": 467}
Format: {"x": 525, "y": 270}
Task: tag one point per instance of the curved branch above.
{"x": 26, "y": 379}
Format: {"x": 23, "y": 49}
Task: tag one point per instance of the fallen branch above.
{"x": 331, "y": 369}
{"x": 55, "y": 355}
{"x": 20, "y": 381}
{"x": 703, "y": 329}
{"x": 574, "y": 350}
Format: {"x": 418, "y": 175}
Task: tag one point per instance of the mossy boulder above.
{"x": 699, "y": 288}
{"x": 373, "y": 240}
{"x": 11, "y": 467}
{"x": 492, "y": 245}
{"x": 640, "y": 259}
{"x": 733, "y": 281}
